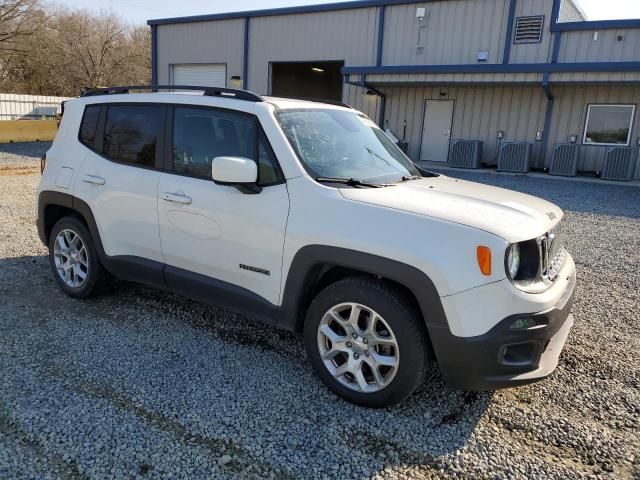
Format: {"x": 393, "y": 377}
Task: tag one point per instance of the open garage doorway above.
{"x": 317, "y": 80}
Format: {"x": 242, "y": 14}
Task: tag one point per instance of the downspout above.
{"x": 245, "y": 57}
{"x": 546, "y": 87}
{"x": 154, "y": 55}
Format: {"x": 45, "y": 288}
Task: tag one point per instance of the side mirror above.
{"x": 238, "y": 172}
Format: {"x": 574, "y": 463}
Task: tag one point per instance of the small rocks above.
{"x": 140, "y": 383}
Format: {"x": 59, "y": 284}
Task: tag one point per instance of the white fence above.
{"x": 31, "y": 107}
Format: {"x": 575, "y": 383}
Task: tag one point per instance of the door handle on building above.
{"x": 94, "y": 180}
{"x": 176, "y": 198}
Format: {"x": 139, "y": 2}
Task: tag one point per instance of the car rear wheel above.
{"x": 73, "y": 258}
{"x": 366, "y": 342}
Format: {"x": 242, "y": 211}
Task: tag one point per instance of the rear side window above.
{"x": 89, "y": 125}
{"x": 200, "y": 135}
{"x": 131, "y": 133}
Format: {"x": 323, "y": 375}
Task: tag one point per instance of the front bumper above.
{"x": 504, "y": 357}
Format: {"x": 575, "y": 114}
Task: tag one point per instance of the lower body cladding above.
{"x": 520, "y": 349}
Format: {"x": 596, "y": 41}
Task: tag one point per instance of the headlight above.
{"x": 522, "y": 264}
{"x": 513, "y": 260}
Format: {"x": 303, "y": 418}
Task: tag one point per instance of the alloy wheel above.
{"x": 358, "y": 347}
{"x": 71, "y": 258}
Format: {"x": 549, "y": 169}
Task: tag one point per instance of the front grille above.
{"x": 552, "y": 255}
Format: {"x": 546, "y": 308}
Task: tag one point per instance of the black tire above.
{"x": 95, "y": 274}
{"x": 403, "y": 319}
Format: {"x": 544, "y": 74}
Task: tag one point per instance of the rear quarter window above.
{"x": 89, "y": 126}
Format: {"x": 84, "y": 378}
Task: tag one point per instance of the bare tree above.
{"x": 73, "y": 49}
{"x": 18, "y": 19}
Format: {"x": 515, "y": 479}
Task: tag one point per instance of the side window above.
{"x": 89, "y": 125}
{"x": 131, "y": 133}
{"x": 200, "y": 135}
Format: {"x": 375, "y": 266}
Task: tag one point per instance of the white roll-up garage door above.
{"x": 205, "y": 74}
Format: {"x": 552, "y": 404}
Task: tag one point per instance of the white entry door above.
{"x": 436, "y": 132}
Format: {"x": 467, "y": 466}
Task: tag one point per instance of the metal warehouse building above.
{"x": 515, "y": 83}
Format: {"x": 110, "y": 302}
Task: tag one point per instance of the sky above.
{"x": 139, "y": 11}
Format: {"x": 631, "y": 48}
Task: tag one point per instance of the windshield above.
{"x": 342, "y": 144}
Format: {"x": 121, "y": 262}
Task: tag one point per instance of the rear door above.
{"x": 119, "y": 177}
{"x": 224, "y": 236}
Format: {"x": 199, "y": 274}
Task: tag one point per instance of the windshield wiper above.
{"x": 352, "y": 182}
{"x": 410, "y": 177}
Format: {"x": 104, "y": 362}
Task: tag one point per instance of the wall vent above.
{"x": 515, "y": 157}
{"x": 529, "y": 29}
{"x": 465, "y": 154}
{"x": 564, "y": 159}
{"x": 619, "y": 163}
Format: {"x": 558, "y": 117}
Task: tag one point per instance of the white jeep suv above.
{"x": 306, "y": 216}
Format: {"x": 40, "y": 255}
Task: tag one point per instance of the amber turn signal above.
{"x": 483, "y": 255}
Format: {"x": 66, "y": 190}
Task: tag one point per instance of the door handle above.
{"x": 94, "y": 180}
{"x": 175, "y": 198}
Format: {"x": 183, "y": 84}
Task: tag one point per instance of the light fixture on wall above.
{"x": 236, "y": 81}
{"x": 573, "y": 138}
{"x": 317, "y": 69}
{"x": 370, "y": 93}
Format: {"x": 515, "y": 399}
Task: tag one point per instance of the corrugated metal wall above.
{"x": 33, "y": 107}
{"x": 479, "y": 113}
{"x": 533, "y": 52}
{"x": 451, "y": 32}
{"x": 348, "y": 35}
{"x": 570, "y": 113}
{"x": 204, "y": 42}
{"x": 582, "y": 46}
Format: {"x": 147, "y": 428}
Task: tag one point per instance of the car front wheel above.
{"x": 366, "y": 342}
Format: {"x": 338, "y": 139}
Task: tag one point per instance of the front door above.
{"x": 213, "y": 230}
{"x": 436, "y": 132}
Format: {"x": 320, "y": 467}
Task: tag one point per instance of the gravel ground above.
{"x": 143, "y": 384}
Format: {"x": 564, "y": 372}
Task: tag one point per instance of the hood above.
{"x": 511, "y": 215}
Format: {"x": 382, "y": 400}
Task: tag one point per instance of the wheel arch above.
{"x": 316, "y": 266}
{"x": 54, "y": 205}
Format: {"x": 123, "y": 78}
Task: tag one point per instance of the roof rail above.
{"x": 208, "y": 91}
{"x": 319, "y": 100}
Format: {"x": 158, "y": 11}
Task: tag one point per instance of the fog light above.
{"x": 523, "y": 324}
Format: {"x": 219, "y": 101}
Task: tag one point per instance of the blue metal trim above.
{"x": 594, "y": 25}
{"x": 499, "y": 68}
{"x": 547, "y": 117}
{"x": 380, "y": 35}
{"x": 154, "y": 55}
{"x": 557, "y": 36}
{"x": 508, "y": 36}
{"x": 327, "y": 7}
{"x": 245, "y": 56}
{"x": 555, "y": 13}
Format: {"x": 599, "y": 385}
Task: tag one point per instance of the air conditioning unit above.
{"x": 514, "y": 157}
{"x": 564, "y": 159}
{"x": 465, "y": 154}
{"x": 619, "y": 163}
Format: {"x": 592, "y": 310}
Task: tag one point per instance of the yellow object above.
{"x": 27, "y": 130}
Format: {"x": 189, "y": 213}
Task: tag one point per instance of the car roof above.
{"x": 197, "y": 97}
